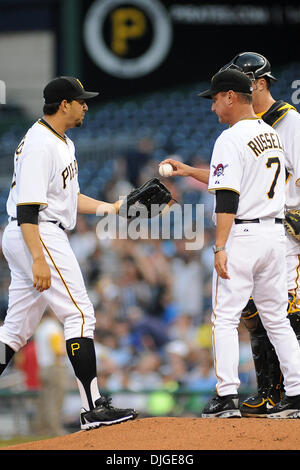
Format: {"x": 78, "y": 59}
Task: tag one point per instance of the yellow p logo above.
{"x": 74, "y": 347}
{"x": 127, "y": 23}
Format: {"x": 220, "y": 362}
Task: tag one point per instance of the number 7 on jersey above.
{"x": 273, "y": 161}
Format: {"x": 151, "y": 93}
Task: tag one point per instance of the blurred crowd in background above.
{"x": 152, "y": 302}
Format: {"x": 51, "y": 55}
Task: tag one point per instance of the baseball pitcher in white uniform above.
{"x": 42, "y": 205}
{"x": 247, "y": 175}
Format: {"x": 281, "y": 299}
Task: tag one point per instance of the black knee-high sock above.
{"x": 6, "y": 354}
{"x": 81, "y": 352}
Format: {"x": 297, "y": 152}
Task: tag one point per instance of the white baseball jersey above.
{"x": 247, "y": 155}
{"x": 46, "y": 173}
{"x": 288, "y": 129}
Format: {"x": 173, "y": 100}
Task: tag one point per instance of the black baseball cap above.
{"x": 228, "y": 80}
{"x": 66, "y": 88}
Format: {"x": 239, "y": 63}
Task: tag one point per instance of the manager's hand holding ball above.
{"x": 165, "y": 169}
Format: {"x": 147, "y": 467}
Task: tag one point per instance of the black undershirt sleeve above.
{"x": 227, "y": 201}
{"x": 28, "y": 214}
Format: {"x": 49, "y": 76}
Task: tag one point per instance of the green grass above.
{"x": 20, "y": 440}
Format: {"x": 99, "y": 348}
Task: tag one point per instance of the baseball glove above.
{"x": 292, "y": 223}
{"x": 146, "y": 201}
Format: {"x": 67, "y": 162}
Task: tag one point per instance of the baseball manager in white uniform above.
{"x": 42, "y": 205}
{"x": 247, "y": 175}
{"x": 285, "y": 119}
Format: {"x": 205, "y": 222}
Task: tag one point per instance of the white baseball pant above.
{"x": 257, "y": 267}
{"x": 67, "y": 296}
{"x": 293, "y": 266}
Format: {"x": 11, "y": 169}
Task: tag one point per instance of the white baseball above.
{"x": 165, "y": 170}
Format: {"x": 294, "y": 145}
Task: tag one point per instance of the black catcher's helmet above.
{"x": 253, "y": 64}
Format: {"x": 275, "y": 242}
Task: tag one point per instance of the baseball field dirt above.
{"x": 179, "y": 434}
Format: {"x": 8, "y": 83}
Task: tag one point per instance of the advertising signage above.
{"x": 135, "y": 46}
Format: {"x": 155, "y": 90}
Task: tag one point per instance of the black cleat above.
{"x": 104, "y": 415}
{"x": 257, "y": 406}
{"x": 222, "y": 407}
{"x": 287, "y": 408}
{"x": 254, "y": 407}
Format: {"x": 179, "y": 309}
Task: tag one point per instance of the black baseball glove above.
{"x": 146, "y": 201}
{"x": 292, "y": 223}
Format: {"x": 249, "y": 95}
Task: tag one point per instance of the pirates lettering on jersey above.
{"x": 17, "y": 154}
{"x": 69, "y": 172}
{"x": 265, "y": 141}
{"x": 20, "y": 147}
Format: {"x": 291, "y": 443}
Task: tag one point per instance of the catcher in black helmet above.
{"x": 286, "y": 120}
{"x": 253, "y": 64}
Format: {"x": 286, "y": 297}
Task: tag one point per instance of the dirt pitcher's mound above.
{"x": 180, "y": 434}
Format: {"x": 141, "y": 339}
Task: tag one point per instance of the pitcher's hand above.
{"x": 41, "y": 274}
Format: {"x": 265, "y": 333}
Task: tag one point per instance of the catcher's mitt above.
{"x": 292, "y": 223}
{"x": 146, "y": 201}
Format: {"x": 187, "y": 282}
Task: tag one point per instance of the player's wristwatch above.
{"x": 218, "y": 248}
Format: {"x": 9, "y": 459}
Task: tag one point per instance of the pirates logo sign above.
{"x": 127, "y": 38}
